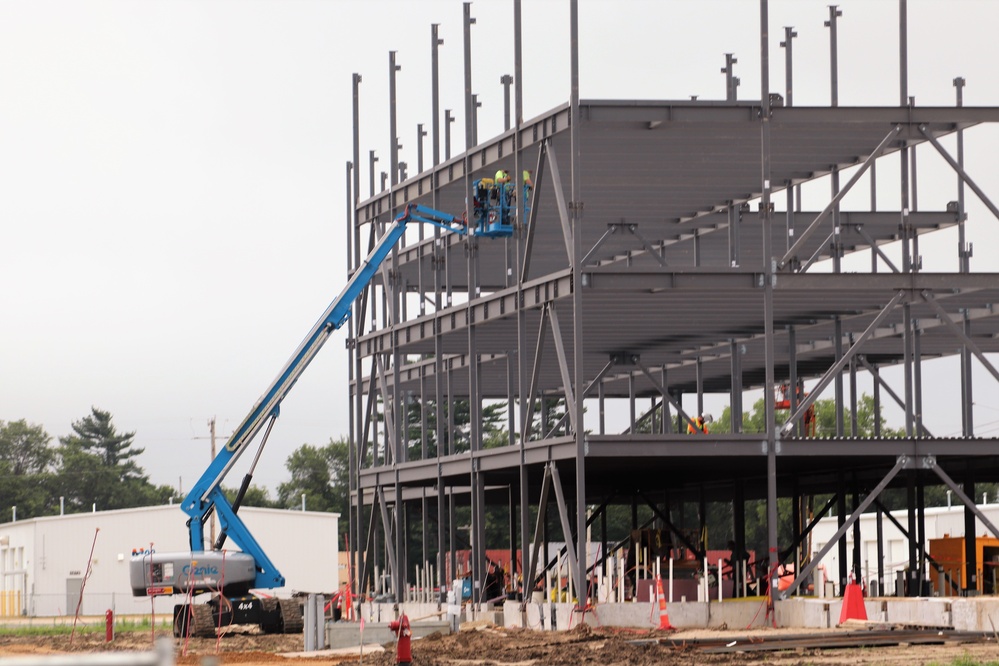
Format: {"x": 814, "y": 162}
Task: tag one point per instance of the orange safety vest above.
{"x": 702, "y": 427}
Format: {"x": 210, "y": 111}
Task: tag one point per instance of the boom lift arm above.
{"x": 206, "y": 494}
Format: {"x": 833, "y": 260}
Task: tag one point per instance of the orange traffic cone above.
{"x": 853, "y": 604}
{"x": 664, "y": 624}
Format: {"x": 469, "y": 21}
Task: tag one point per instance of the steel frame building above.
{"x": 589, "y": 301}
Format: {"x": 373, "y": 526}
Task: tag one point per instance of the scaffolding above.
{"x": 653, "y": 265}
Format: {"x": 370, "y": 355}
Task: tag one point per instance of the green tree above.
{"x": 321, "y": 474}
{"x": 26, "y": 460}
{"x": 97, "y": 467}
{"x": 254, "y": 496}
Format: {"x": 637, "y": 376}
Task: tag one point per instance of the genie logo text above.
{"x": 200, "y": 570}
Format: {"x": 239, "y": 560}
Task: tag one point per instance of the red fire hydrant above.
{"x": 109, "y": 626}
{"x": 403, "y": 651}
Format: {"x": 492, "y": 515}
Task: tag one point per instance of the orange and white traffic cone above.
{"x": 664, "y": 624}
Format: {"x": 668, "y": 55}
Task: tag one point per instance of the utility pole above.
{"x": 211, "y": 425}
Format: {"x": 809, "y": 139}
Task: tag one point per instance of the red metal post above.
{"x": 109, "y": 626}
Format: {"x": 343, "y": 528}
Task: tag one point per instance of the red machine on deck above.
{"x": 782, "y": 400}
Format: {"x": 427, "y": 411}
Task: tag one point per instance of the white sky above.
{"x": 172, "y": 184}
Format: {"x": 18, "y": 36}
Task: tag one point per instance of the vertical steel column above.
{"x": 857, "y": 570}
{"x": 436, "y": 260}
{"x": 787, "y": 45}
{"x": 873, "y": 171}
{"x": 964, "y": 259}
{"x": 970, "y": 581}
{"x": 522, "y": 367}
{"x": 576, "y": 215}
{"x": 789, "y": 34}
{"x": 906, "y": 229}
{"x": 505, "y": 81}
{"x": 736, "y": 411}
{"x": 854, "y": 424}
{"x": 356, "y": 514}
{"x": 632, "y": 407}
{"x": 352, "y": 423}
{"x": 474, "y": 397}
{"x": 371, "y": 170}
{"x": 792, "y": 379}
{"x": 739, "y": 532}
{"x": 917, "y": 376}
{"x": 910, "y": 496}
{"x": 435, "y": 104}
{"x": 448, "y": 119}
{"x": 841, "y": 515}
{"x": 877, "y": 403}
{"x": 452, "y": 525}
{"x": 399, "y": 567}
{"x": 914, "y": 200}
{"x": 879, "y": 526}
{"x": 838, "y": 382}
{"x": 699, "y": 379}
{"x": 834, "y": 13}
{"x": 769, "y": 268}
{"x": 731, "y": 81}
{"x": 476, "y": 105}
{"x": 921, "y": 534}
{"x": 733, "y": 235}
{"x": 667, "y": 419}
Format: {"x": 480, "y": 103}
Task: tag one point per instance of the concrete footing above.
{"x": 961, "y": 614}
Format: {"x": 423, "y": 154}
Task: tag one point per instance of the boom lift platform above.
{"x": 230, "y": 576}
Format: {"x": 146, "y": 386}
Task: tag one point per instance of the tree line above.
{"x": 96, "y": 465}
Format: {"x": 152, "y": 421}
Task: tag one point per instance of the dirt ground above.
{"x": 489, "y": 645}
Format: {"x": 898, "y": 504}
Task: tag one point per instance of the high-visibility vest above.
{"x": 701, "y": 426}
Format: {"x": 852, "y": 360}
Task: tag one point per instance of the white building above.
{"x": 940, "y": 522}
{"x": 43, "y": 561}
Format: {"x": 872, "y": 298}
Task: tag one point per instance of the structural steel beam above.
{"x": 563, "y": 209}
{"x": 662, "y": 390}
{"x": 831, "y": 543}
{"x": 525, "y": 426}
{"x": 539, "y": 523}
{"x": 839, "y": 196}
{"x": 563, "y": 367}
{"x": 539, "y": 176}
{"x": 960, "y": 171}
{"x": 859, "y": 228}
{"x": 956, "y": 330}
{"x": 830, "y": 374}
{"x": 567, "y": 531}
{"x": 881, "y": 382}
{"x": 931, "y": 462}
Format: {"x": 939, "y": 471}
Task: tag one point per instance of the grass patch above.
{"x": 965, "y": 661}
{"x": 64, "y": 627}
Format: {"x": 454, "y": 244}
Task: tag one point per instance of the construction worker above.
{"x": 502, "y": 177}
{"x": 700, "y": 425}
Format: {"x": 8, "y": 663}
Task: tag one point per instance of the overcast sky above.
{"x": 172, "y": 175}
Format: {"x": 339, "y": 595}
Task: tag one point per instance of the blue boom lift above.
{"x": 201, "y": 570}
